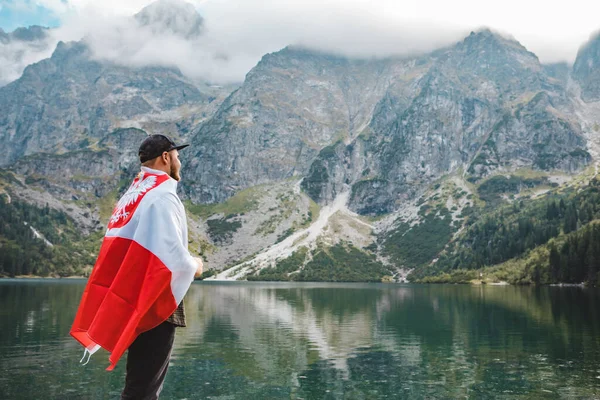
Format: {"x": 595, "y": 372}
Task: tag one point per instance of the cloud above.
{"x": 15, "y": 55}
{"x": 159, "y": 37}
{"x": 235, "y": 34}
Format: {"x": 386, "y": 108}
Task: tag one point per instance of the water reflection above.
{"x": 251, "y": 340}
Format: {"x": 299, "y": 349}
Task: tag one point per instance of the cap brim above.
{"x": 183, "y": 146}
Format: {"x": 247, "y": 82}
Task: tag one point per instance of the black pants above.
{"x": 147, "y": 363}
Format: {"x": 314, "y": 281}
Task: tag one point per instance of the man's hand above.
{"x": 200, "y": 268}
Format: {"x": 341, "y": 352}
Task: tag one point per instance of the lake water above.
{"x": 323, "y": 341}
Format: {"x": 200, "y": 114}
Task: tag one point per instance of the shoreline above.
{"x": 471, "y": 283}
{"x": 24, "y": 277}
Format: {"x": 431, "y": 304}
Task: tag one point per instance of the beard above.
{"x": 174, "y": 173}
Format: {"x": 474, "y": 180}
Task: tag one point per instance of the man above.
{"x": 134, "y": 297}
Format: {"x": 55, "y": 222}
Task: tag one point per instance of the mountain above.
{"x": 31, "y": 34}
{"x": 586, "y": 69}
{"x": 319, "y": 166}
{"x": 383, "y": 118}
{"x": 75, "y": 98}
{"x": 447, "y": 123}
{"x": 292, "y": 104}
{"x": 70, "y": 101}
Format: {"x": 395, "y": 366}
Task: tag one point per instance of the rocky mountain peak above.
{"x": 495, "y": 47}
{"x": 66, "y": 56}
{"x": 586, "y": 69}
{"x": 589, "y": 54}
{"x": 490, "y": 61}
{"x": 487, "y": 36}
{"x": 175, "y": 17}
{"x": 32, "y": 33}
{"x": 68, "y": 48}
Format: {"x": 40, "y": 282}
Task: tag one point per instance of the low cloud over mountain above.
{"x": 22, "y": 47}
{"x": 221, "y": 40}
{"x": 231, "y": 37}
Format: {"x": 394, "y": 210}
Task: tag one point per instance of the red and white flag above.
{"x": 143, "y": 270}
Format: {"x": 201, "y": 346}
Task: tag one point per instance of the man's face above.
{"x": 175, "y": 165}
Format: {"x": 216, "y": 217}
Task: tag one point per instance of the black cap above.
{"x": 154, "y": 145}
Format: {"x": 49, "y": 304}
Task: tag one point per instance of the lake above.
{"x": 323, "y": 341}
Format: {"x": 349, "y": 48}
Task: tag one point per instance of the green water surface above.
{"x": 324, "y": 341}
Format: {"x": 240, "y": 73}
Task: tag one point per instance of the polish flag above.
{"x": 143, "y": 270}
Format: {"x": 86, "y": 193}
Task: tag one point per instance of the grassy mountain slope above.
{"x": 548, "y": 239}
{"x": 42, "y": 242}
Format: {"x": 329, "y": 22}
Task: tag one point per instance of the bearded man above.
{"x": 134, "y": 297}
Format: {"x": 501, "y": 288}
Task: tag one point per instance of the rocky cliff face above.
{"x": 454, "y": 117}
{"x": 553, "y": 140}
{"x": 83, "y": 183}
{"x": 96, "y": 171}
{"x": 292, "y": 104}
{"x": 586, "y": 69}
